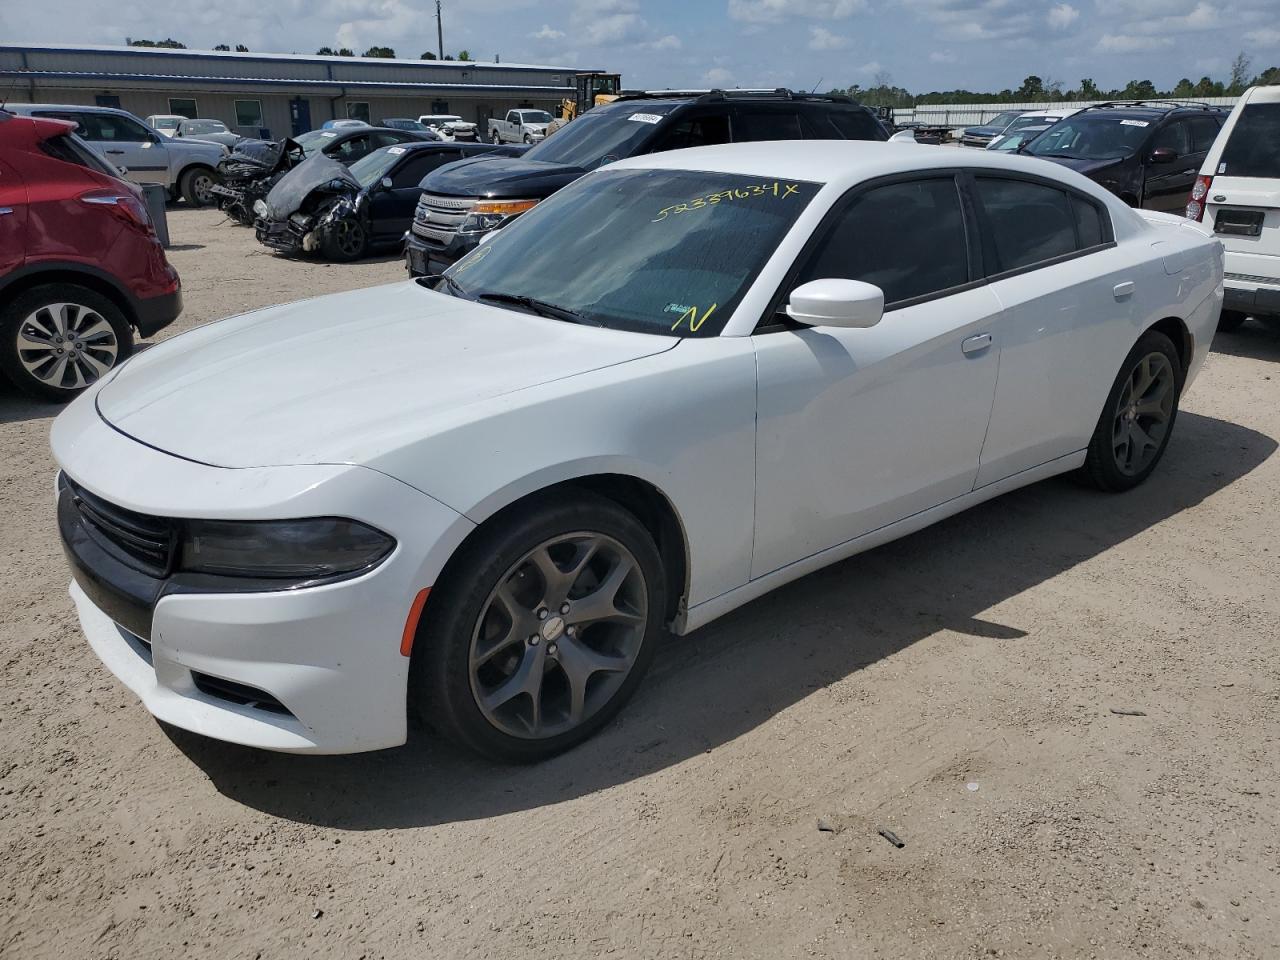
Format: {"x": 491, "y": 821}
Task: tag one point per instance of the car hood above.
{"x": 287, "y": 196}
{"x": 983, "y": 131}
{"x": 500, "y": 177}
{"x": 195, "y": 147}
{"x": 1086, "y": 167}
{"x": 344, "y": 378}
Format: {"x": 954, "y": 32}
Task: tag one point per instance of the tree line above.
{"x": 1034, "y": 89}
{"x": 384, "y": 53}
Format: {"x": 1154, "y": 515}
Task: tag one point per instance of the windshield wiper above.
{"x": 452, "y": 284}
{"x": 540, "y": 307}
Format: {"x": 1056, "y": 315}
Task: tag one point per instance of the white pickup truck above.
{"x": 520, "y": 126}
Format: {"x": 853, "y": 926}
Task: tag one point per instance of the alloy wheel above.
{"x": 202, "y": 187}
{"x": 349, "y": 238}
{"x": 558, "y": 635}
{"x": 67, "y": 345}
{"x": 1143, "y": 413}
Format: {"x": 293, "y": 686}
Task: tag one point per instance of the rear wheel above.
{"x": 345, "y": 240}
{"x": 197, "y": 186}
{"x": 496, "y": 138}
{"x": 541, "y": 630}
{"x": 58, "y": 338}
{"x": 1137, "y": 420}
{"x": 1231, "y": 320}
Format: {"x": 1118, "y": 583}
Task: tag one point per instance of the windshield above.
{"x": 601, "y": 136}
{"x": 1094, "y": 137}
{"x": 535, "y": 116}
{"x": 1254, "y": 147}
{"x": 369, "y": 170}
{"x": 405, "y": 124}
{"x": 1030, "y": 122}
{"x": 1012, "y": 141}
{"x": 167, "y": 123}
{"x": 203, "y": 126}
{"x": 1002, "y": 119}
{"x": 313, "y": 140}
{"x": 658, "y": 251}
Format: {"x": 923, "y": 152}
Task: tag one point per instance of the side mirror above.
{"x": 836, "y": 303}
{"x": 1164, "y": 155}
{"x": 903, "y": 136}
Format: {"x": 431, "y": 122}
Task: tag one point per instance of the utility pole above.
{"x": 439, "y": 30}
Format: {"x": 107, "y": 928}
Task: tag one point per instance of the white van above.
{"x": 1238, "y": 194}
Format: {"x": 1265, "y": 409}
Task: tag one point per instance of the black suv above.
{"x": 1146, "y": 152}
{"x": 463, "y": 201}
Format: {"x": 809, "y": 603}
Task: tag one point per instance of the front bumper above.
{"x": 285, "y": 236}
{"x": 423, "y": 258}
{"x": 310, "y": 670}
{"x": 968, "y": 140}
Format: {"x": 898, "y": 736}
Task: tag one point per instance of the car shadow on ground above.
{"x": 15, "y": 406}
{"x": 1255, "y": 340}
{"x": 711, "y": 687}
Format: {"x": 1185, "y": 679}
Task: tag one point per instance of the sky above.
{"x": 920, "y": 44}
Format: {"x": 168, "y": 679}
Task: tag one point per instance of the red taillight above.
{"x": 125, "y": 205}
{"x": 1195, "y": 203}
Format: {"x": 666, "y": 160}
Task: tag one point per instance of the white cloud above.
{"x": 871, "y": 68}
{"x": 1264, "y": 37}
{"x": 942, "y": 56}
{"x": 614, "y": 28}
{"x": 1062, "y": 16}
{"x": 1123, "y": 43}
{"x": 548, "y": 32}
{"x": 718, "y": 77}
{"x": 669, "y": 42}
{"x": 775, "y": 11}
{"x": 974, "y": 20}
{"x": 1202, "y": 16}
{"x": 820, "y": 38}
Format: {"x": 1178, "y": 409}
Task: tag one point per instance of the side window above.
{"x": 513, "y": 117}
{"x": 351, "y": 150}
{"x": 1204, "y": 130}
{"x": 696, "y": 131}
{"x": 76, "y": 118}
{"x": 1174, "y": 137}
{"x": 1089, "y": 232}
{"x": 1028, "y": 223}
{"x": 906, "y": 238}
{"x": 849, "y": 125}
{"x": 389, "y": 139}
{"x": 767, "y": 124}
{"x": 117, "y": 129}
{"x": 411, "y": 174}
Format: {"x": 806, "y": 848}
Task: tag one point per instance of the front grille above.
{"x": 143, "y": 542}
{"x": 437, "y": 218}
{"x": 1252, "y": 278}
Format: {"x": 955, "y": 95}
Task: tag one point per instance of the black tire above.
{"x": 98, "y": 353}
{"x": 345, "y": 240}
{"x": 441, "y": 691}
{"x": 195, "y": 184}
{"x": 528, "y": 139}
{"x": 1231, "y": 320}
{"x": 496, "y": 137}
{"x": 1111, "y": 463}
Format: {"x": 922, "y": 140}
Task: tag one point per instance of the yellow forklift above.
{"x": 590, "y": 90}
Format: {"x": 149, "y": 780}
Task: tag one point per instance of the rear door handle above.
{"x": 1122, "y": 290}
{"x": 976, "y": 343}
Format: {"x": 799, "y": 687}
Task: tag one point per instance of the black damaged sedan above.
{"x": 344, "y": 213}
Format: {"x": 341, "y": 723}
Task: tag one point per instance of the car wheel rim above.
{"x": 202, "y": 187}
{"x": 66, "y": 345}
{"x": 1143, "y": 414}
{"x": 349, "y": 237}
{"x": 558, "y": 635}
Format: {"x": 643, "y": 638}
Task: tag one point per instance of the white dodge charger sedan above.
{"x": 678, "y": 383}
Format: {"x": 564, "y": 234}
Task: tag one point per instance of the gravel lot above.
{"x": 956, "y": 688}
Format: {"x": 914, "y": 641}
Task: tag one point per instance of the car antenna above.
{"x": 816, "y": 85}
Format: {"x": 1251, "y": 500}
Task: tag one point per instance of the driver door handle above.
{"x": 118, "y": 152}
{"x": 975, "y": 344}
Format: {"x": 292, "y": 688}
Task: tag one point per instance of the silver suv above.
{"x": 185, "y": 167}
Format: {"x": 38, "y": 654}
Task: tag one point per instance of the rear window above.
{"x": 1254, "y": 147}
{"x": 70, "y": 149}
{"x": 850, "y": 124}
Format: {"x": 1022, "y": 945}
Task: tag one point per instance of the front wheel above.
{"x": 345, "y": 240}
{"x": 1137, "y": 420}
{"x": 541, "y": 629}
{"x": 528, "y": 139}
{"x": 197, "y": 186}
{"x": 58, "y": 338}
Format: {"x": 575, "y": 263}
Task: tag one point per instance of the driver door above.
{"x": 858, "y": 428}
{"x": 127, "y": 143}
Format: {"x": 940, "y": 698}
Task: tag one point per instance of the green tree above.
{"x": 1184, "y": 88}
{"x": 448, "y": 56}
{"x": 1269, "y": 75}
{"x": 1032, "y": 88}
{"x": 1139, "y": 90}
{"x": 222, "y": 46}
{"x": 1239, "y": 74}
{"x": 428, "y": 56}
{"x": 1089, "y": 89}
{"x": 169, "y": 43}
{"x": 384, "y": 53}
{"x": 464, "y": 54}
{"x": 241, "y": 48}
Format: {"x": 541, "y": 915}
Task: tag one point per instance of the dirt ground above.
{"x": 958, "y": 688}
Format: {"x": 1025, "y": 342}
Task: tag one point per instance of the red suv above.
{"x": 80, "y": 265}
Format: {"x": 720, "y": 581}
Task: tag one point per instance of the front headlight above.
{"x": 314, "y": 548}
{"x": 490, "y": 214}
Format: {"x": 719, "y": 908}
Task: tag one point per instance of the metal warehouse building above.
{"x": 269, "y": 94}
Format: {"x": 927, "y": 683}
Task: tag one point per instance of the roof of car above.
{"x": 23, "y": 108}
{"x": 844, "y": 162}
{"x": 1147, "y": 108}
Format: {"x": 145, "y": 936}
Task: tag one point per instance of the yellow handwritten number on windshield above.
{"x": 695, "y": 321}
